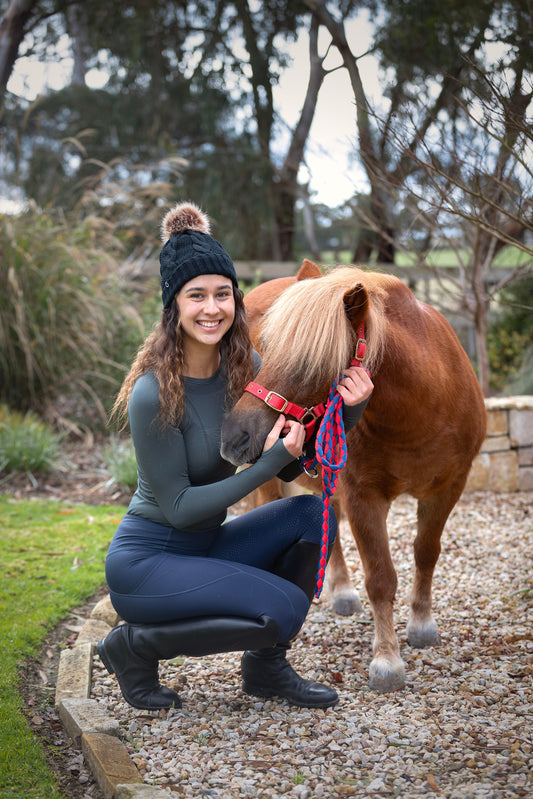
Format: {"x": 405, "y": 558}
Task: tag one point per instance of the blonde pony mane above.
{"x": 306, "y": 332}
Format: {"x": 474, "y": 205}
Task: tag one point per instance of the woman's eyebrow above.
{"x": 204, "y": 288}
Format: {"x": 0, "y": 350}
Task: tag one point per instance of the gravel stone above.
{"x": 461, "y": 728}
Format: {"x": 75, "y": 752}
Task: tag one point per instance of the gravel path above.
{"x": 462, "y": 728}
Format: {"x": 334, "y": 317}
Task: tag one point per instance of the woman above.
{"x": 185, "y": 582}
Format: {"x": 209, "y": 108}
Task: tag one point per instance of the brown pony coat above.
{"x": 422, "y": 427}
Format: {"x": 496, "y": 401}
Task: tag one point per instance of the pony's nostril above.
{"x": 235, "y": 445}
{"x": 241, "y": 442}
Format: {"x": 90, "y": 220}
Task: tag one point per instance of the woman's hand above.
{"x": 292, "y": 433}
{"x": 355, "y": 386}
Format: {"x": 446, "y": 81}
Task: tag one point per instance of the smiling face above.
{"x": 207, "y": 309}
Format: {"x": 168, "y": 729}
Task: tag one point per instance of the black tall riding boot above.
{"x": 266, "y": 672}
{"x": 132, "y": 651}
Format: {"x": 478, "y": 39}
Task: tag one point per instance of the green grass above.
{"x": 51, "y": 559}
{"x": 508, "y": 257}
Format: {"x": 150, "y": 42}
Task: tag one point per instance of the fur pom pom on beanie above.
{"x": 189, "y": 250}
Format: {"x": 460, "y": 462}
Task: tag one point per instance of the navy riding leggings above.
{"x": 158, "y": 574}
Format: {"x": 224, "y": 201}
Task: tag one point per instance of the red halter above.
{"x": 278, "y": 403}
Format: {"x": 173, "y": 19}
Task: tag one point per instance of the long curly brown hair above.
{"x": 162, "y": 353}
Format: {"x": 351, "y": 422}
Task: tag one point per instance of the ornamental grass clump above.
{"x": 26, "y": 443}
{"x": 120, "y": 460}
{"x": 67, "y": 321}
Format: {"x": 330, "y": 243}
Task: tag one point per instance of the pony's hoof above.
{"x": 422, "y": 634}
{"x": 385, "y": 676}
{"x": 347, "y": 602}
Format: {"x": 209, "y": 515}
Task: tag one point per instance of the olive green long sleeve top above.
{"x": 183, "y": 481}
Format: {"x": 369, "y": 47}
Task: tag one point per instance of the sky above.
{"x": 331, "y": 169}
{"x": 333, "y": 173}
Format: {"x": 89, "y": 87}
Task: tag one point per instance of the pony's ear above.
{"x": 308, "y": 270}
{"x": 356, "y": 304}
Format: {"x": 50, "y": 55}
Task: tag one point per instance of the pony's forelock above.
{"x": 306, "y": 331}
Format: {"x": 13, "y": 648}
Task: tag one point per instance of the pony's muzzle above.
{"x": 242, "y": 438}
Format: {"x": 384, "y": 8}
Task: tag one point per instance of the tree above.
{"x": 12, "y": 31}
{"x": 472, "y": 192}
{"x": 288, "y": 188}
{"x": 375, "y": 152}
{"x": 176, "y": 88}
{"x": 453, "y": 144}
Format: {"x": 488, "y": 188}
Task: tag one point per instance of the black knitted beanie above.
{"x": 189, "y": 251}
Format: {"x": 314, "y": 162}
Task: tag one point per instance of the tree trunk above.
{"x": 79, "y": 44}
{"x": 309, "y": 228}
{"x": 367, "y": 146}
{"x": 482, "y": 350}
{"x": 287, "y": 189}
{"x": 12, "y": 31}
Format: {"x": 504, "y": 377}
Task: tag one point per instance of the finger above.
{"x": 354, "y": 392}
{"x": 275, "y": 432}
{"x": 279, "y": 424}
{"x": 295, "y": 438}
{"x": 357, "y": 373}
{"x": 292, "y": 428}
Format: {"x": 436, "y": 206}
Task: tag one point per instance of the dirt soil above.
{"x": 81, "y": 478}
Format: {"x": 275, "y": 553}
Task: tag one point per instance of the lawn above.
{"x": 51, "y": 559}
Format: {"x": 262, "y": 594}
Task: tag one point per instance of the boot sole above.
{"x": 262, "y": 694}
{"x": 103, "y": 657}
{"x": 175, "y": 703}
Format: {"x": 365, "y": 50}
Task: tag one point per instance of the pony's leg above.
{"x": 369, "y": 525}
{"x": 344, "y": 597}
{"x": 433, "y": 511}
{"x": 268, "y": 492}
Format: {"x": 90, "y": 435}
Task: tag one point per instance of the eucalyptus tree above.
{"x": 189, "y": 81}
{"x": 14, "y": 26}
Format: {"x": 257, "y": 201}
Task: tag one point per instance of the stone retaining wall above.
{"x": 505, "y": 462}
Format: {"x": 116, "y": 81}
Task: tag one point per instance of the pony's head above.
{"x": 307, "y": 339}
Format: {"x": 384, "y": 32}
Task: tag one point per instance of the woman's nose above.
{"x": 211, "y": 305}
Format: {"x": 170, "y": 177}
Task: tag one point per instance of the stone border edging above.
{"x": 89, "y": 726}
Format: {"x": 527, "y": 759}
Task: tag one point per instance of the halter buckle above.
{"x": 360, "y": 349}
{"x": 268, "y": 401}
{"x": 309, "y": 412}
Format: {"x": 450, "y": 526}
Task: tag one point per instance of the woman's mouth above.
{"x": 209, "y": 325}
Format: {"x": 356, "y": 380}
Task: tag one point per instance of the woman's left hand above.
{"x": 292, "y": 434}
{"x": 355, "y": 385}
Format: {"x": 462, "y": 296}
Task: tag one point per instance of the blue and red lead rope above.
{"x": 331, "y": 453}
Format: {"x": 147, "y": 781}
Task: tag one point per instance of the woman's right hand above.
{"x": 292, "y": 433}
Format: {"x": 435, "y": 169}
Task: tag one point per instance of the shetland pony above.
{"x": 419, "y": 434}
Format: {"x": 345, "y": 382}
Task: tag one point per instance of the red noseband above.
{"x": 278, "y": 403}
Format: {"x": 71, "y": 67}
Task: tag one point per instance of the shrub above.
{"x": 26, "y": 443}
{"x": 510, "y": 340}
